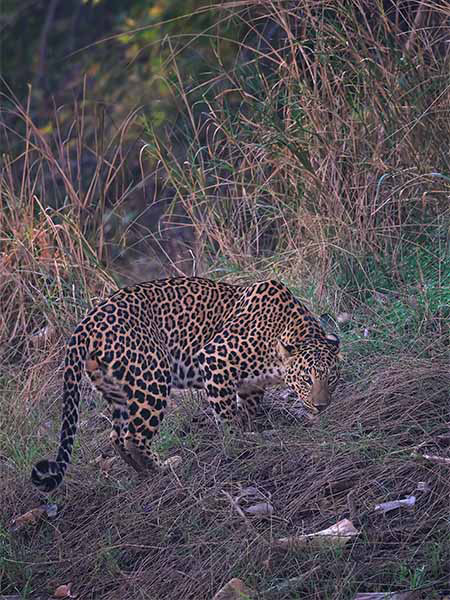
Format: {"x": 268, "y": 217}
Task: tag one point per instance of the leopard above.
{"x": 231, "y": 340}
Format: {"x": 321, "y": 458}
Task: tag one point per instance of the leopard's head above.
{"x": 312, "y": 369}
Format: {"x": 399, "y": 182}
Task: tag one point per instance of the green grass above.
{"x": 399, "y": 307}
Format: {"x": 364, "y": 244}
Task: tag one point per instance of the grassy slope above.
{"x": 176, "y": 536}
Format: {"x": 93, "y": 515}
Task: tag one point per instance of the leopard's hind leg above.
{"x": 115, "y": 396}
{"x": 137, "y": 408}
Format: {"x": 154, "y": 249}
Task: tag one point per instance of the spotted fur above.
{"x": 230, "y": 340}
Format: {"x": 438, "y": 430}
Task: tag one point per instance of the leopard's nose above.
{"x": 320, "y": 395}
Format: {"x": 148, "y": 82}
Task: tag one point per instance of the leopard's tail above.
{"x": 47, "y": 475}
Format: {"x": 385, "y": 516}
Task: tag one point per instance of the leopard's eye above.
{"x": 307, "y": 379}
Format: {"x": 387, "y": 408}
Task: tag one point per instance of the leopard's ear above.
{"x": 284, "y": 351}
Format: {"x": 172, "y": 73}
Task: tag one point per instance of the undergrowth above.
{"x": 178, "y": 536}
{"x": 326, "y": 158}
{"x": 320, "y": 160}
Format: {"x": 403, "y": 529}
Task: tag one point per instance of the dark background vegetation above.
{"x": 307, "y": 141}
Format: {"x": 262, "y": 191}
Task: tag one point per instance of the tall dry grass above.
{"x": 326, "y": 143}
{"x": 57, "y": 187}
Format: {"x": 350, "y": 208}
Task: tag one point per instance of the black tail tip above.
{"x": 46, "y": 475}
